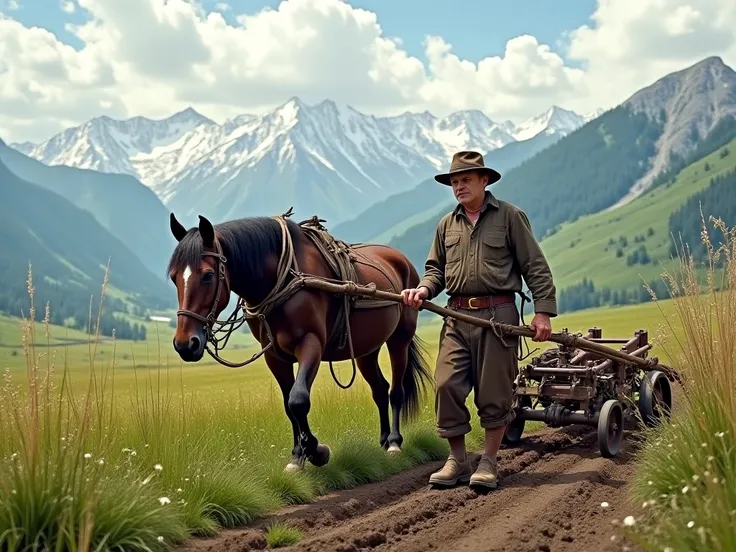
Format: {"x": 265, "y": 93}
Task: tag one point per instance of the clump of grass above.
{"x": 57, "y": 488}
{"x": 687, "y": 474}
{"x": 280, "y": 534}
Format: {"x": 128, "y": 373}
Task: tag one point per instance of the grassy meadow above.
{"x": 108, "y": 444}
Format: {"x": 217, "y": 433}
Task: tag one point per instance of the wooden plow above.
{"x": 583, "y": 381}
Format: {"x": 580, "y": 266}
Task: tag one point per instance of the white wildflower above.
{"x": 164, "y": 500}
{"x": 604, "y": 504}
{"x": 629, "y": 521}
{"x": 685, "y": 489}
{"x": 87, "y": 455}
{"x": 690, "y": 524}
{"x": 720, "y": 434}
{"x": 158, "y": 467}
{"x": 160, "y": 539}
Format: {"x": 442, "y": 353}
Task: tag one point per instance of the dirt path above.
{"x": 549, "y": 499}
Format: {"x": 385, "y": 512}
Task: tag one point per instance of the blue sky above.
{"x": 137, "y": 65}
{"x": 477, "y": 29}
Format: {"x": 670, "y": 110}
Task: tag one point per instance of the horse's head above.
{"x": 197, "y": 268}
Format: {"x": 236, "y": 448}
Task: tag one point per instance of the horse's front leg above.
{"x": 284, "y": 374}
{"x": 309, "y": 356}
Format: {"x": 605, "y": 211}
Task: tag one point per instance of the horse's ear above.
{"x": 207, "y": 231}
{"x": 176, "y": 228}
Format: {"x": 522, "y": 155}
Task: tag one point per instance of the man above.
{"x": 481, "y": 251}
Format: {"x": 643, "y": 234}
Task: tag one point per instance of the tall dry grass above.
{"x": 686, "y": 478}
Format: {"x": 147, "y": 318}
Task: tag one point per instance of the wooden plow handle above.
{"x": 566, "y": 339}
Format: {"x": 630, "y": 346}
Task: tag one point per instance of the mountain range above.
{"x": 371, "y": 178}
{"x": 323, "y": 159}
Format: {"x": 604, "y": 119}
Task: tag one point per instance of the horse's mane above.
{"x": 246, "y": 243}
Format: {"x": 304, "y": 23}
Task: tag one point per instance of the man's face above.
{"x": 469, "y": 188}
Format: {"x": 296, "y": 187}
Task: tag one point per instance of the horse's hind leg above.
{"x": 369, "y": 367}
{"x": 398, "y": 350}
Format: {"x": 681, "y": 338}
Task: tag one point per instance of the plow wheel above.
{"x": 655, "y": 397}
{"x": 610, "y": 428}
{"x": 513, "y": 432}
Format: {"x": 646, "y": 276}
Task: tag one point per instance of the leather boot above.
{"x": 486, "y": 476}
{"x": 452, "y": 473}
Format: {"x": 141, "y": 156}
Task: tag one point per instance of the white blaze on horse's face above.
{"x": 187, "y": 274}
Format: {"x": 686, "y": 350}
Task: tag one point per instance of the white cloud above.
{"x": 151, "y": 57}
{"x": 634, "y": 42}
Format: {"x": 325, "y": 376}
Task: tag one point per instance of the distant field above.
{"x": 571, "y": 249}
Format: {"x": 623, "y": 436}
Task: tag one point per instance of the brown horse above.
{"x": 243, "y": 256}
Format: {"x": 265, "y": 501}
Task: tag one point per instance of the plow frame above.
{"x": 565, "y": 385}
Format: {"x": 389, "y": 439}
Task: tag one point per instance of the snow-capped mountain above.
{"x": 325, "y": 158}
{"x": 437, "y": 139}
{"x": 554, "y": 120}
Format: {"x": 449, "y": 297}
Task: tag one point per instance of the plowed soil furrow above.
{"x": 549, "y": 498}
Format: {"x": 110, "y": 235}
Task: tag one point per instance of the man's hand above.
{"x": 542, "y": 326}
{"x": 415, "y": 297}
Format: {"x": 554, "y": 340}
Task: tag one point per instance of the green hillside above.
{"x": 616, "y": 249}
{"x": 129, "y": 210}
{"x": 391, "y": 217}
{"x": 68, "y": 251}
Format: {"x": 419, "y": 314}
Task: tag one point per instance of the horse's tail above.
{"x": 417, "y": 375}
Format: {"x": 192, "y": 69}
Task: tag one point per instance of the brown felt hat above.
{"x": 464, "y": 161}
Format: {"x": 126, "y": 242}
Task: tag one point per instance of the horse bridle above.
{"x": 211, "y": 317}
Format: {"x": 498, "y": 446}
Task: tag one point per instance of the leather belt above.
{"x": 484, "y": 302}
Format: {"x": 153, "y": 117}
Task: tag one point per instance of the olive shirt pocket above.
{"x": 453, "y": 249}
{"x": 496, "y": 255}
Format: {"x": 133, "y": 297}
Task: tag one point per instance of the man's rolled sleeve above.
{"x": 434, "y": 267}
{"x": 534, "y": 266}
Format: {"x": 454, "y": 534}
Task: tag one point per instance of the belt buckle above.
{"x": 470, "y": 303}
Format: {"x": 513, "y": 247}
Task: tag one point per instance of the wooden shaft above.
{"x": 520, "y": 331}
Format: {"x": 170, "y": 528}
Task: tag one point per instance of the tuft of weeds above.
{"x": 280, "y": 534}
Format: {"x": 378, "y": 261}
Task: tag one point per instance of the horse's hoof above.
{"x": 394, "y": 449}
{"x": 293, "y": 467}
{"x": 321, "y": 456}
